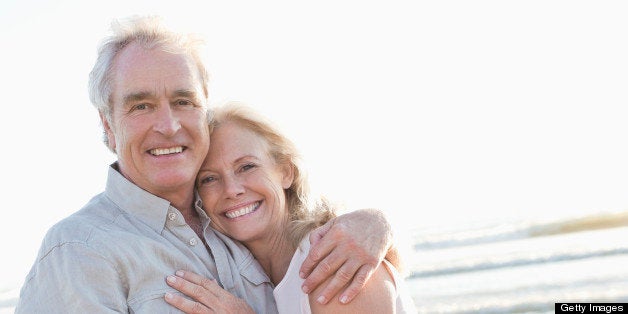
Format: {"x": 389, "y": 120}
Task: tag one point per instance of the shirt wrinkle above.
{"x": 133, "y": 200}
{"x": 114, "y": 253}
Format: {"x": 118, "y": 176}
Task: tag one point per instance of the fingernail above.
{"x": 171, "y": 279}
{"x": 305, "y": 289}
{"x": 321, "y": 300}
{"x": 179, "y": 273}
{"x": 168, "y": 295}
{"x": 302, "y": 275}
{"x": 344, "y": 299}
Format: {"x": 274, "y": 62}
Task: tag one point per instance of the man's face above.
{"x": 158, "y": 124}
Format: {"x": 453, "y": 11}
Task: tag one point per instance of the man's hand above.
{"x": 209, "y": 296}
{"x": 349, "y": 248}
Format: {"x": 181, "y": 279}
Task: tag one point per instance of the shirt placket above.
{"x": 188, "y": 237}
{"x": 221, "y": 259}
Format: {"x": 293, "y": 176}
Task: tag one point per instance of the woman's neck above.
{"x": 274, "y": 254}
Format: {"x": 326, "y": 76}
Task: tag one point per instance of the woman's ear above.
{"x": 288, "y": 176}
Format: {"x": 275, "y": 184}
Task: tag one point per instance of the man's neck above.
{"x": 180, "y": 196}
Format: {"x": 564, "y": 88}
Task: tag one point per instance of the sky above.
{"x": 439, "y": 113}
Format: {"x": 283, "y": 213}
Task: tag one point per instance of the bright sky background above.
{"x": 438, "y": 112}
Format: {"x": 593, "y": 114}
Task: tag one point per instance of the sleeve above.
{"x": 73, "y": 278}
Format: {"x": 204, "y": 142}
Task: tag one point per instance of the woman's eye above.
{"x": 206, "y": 180}
{"x": 248, "y": 167}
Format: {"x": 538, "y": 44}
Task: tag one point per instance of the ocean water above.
{"x": 518, "y": 267}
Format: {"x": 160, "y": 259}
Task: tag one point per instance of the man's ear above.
{"x": 288, "y": 176}
{"x": 109, "y": 137}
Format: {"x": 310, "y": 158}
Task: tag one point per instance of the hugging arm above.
{"x": 345, "y": 252}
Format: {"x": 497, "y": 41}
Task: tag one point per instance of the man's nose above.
{"x": 167, "y": 121}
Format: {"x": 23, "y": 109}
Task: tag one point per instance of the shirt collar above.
{"x": 198, "y": 205}
{"x": 150, "y": 209}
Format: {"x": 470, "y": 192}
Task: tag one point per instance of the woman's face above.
{"x": 241, "y": 186}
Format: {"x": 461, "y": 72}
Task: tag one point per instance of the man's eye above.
{"x": 183, "y": 102}
{"x": 140, "y": 107}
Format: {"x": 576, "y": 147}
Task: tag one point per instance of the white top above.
{"x": 291, "y": 299}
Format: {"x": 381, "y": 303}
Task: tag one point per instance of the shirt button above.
{"x": 193, "y": 241}
{"x": 172, "y": 216}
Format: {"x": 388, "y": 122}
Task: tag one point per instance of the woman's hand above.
{"x": 207, "y": 296}
{"x": 347, "y": 249}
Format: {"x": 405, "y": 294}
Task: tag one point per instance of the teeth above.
{"x": 166, "y": 151}
{"x": 242, "y": 211}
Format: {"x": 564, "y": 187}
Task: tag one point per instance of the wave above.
{"x": 533, "y": 302}
{"x": 8, "y": 299}
{"x": 497, "y": 261}
{"x": 517, "y": 230}
{"x": 516, "y": 291}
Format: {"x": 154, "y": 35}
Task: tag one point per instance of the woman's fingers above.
{"x": 186, "y": 305}
{"x": 209, "y": 284}
{"x": 195, "y": 287}
{"x": 207, "y": 296}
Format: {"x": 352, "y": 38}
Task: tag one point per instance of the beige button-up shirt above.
{"x": 113, "y": 255}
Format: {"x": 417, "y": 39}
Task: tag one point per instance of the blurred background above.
{"x": 492, "y": 133}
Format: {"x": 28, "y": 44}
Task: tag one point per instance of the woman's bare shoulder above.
{"x": 378, "y": 296}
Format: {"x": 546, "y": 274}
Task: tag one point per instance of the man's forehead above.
{"x": 135, "y": 57}
{"x": 141, "y": 73}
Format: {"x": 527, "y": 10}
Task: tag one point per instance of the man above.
{"x": 150, "y": 88}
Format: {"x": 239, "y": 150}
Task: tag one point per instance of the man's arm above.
{"x": 347, "y": 249}
{"x": 72, "y": 278}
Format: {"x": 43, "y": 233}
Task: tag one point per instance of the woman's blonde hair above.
{"x": 304, "y": 214}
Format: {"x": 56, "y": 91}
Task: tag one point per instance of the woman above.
{"x": 255, "y": 191}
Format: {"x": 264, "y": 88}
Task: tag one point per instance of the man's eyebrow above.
{"x": 136, "y": 97}
{"x": 185, "y": 93}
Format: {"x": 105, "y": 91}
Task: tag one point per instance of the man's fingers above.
{"x": 185, "y": 305}
{"x": 357, "y": 284}
{"x": 341, "y": 279}
{"x": 324, "y": 270}
{"x": 316, "y": 256}
{"x": 318, "y": 233}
